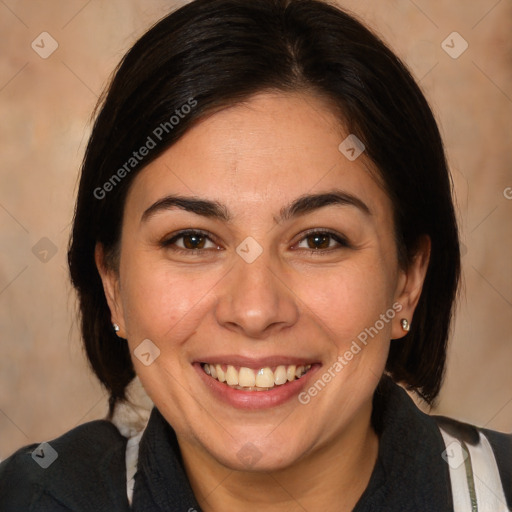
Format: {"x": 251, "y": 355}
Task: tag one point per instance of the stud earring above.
{"x": 116, "y": 327}
{"x": 405, "y": 324}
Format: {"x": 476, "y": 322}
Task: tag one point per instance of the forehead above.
{"x": 264, "y": 152}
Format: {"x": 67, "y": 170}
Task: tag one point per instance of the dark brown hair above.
{"x": 214, "y": 53}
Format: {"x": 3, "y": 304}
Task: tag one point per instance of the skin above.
{"x": 293, "y": 300}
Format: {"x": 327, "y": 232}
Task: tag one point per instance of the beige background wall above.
{"x": 45, "y": 105}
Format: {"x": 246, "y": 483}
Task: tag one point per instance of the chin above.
{"x": 258, "y": 454}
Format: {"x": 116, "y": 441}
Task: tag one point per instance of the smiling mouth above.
{"x": 247, "y": 379}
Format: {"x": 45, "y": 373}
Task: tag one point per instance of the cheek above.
{"x": 161, "y": 304}
{"x": 349, "y": 299}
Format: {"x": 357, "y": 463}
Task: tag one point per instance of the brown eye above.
{"x": 318, "y": 241}
{"x": 322, "y": 240}
{"x": 191, "y": 241}
{"x": 194, "y": 241}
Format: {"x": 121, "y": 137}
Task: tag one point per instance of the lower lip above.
{"x": 256, "y": 399}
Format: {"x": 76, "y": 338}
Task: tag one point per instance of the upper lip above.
{"x": 256, "y": 363}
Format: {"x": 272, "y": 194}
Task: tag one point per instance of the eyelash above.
{"x": 169, "y": 242}
{"x": 339, "y": 239}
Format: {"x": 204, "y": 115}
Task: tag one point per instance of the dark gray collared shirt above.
{"x": 89, "y": 474}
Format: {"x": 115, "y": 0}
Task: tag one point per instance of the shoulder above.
{"x": 438, "y": 460}
{"x": 502, "y": 447}
{"x": 500, "y": 442}
{"x": 488, "y": 453}
{"x": 64, "y": 470}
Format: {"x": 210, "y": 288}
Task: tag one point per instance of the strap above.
{"x": 474, "y": 474}
{"x": 131, "y": 417}
{"x": 132, "y": 458}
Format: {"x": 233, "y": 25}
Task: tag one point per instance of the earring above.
{"x": 116, "y": 327}
{"x": 405, "y": 324}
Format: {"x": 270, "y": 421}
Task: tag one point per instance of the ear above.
{"x": 110, "y": 280}
{"x": 410, "y": 284}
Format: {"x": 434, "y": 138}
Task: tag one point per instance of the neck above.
{"x": 330, "y": 477}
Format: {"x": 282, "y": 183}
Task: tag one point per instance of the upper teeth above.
{"x": 247, "y": 378}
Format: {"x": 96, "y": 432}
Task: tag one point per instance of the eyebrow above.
{"x": 204, "y": 207}
{"x": 311, "y": 202}
{"x": 215, "y": 210}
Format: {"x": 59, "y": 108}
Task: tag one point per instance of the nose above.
{"x": 255, "y": 301}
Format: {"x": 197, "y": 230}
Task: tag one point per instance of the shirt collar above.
{"x": 410, "y": 473}
{"x": 161, "y": 482}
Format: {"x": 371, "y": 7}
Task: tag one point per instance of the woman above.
{"x": 264, "y": 235}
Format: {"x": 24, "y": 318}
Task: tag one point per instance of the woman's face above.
{"x": 255, "y": 246}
